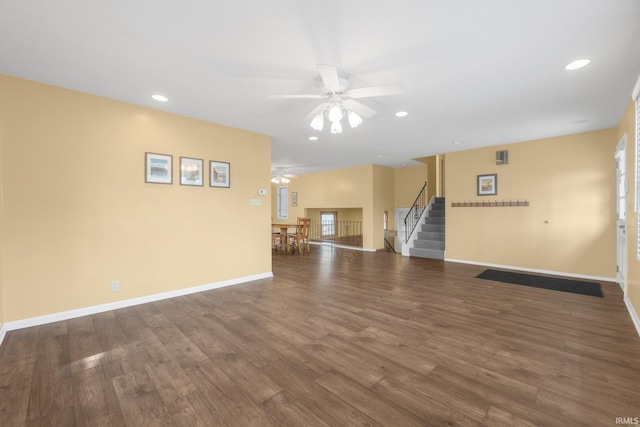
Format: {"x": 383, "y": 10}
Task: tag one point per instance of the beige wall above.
{"x": 341, "y": 188}
{"x": 408, "y": 183}
{"x": 383, "y": 200}
{"x": 2, "y": 310}
{"x": 432, "y": 176}
{"x": 78, "y": 214}
{"x": 627, "y": 127}
{"x": 570, "y": 225}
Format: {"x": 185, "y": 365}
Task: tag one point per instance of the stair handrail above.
{"x": 414, "y": 214}
{"x": 388, "y": 245}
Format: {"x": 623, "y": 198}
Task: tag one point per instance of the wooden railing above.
{"x": 388, "y": 246}
{"x": 340, "y": 232}
{"x": 412, "y": 218}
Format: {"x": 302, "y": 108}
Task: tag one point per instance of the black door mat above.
{"x": 552, "y": 283}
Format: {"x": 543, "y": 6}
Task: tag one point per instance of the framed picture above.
{"x": 219, "y": 174}
{"x": 158, "y": 168}
{"x": 294, "y": 198}
{"x": 488, "y": 185}
{"x": 191, "y": 172}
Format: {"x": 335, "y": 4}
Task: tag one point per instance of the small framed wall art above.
{"x": 219, "y": 174}
{"x": 158, "y": 168}
{"x": 488, "y": 185}
{"x": 191, "y": 171}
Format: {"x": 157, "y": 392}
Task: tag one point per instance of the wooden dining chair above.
{"x": 276, "y": 237}
{"x": 300, "y": 238}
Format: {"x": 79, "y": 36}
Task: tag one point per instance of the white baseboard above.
{"x": 353, "y": 248}
{"x": 627, "y": 302}
{"x": 632, "y": 313}
{"x": 535, "y": 270}
{"x": 86, "y": 311}
{"x": 3, "y": 332}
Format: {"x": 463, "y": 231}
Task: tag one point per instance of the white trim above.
{"x": 627, "y": 302}
{"x": 3, "y": 332}
{"x": 353, "y": 248}
{"x": 635, "y": 94}
{"x": 632, "y": 313}
{"x": 535, "y": 270}
{"x": 86, "y": 311}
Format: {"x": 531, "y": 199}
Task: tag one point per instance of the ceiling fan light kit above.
{"x": 280, "y": 180}
{"x": 336, "y": 127}
{"x": 318, "y": 122}
{"x": 354, "y": 119}
{"x": 341, "y": 100}
{"x": 280, "y": 177}
{"x": 335, "y": 113}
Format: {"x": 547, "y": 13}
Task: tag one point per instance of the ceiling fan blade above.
{"x": 359, "y": 108}
{"x": 329, "y": 75}
{"x": 383, "y": 90}
{"x": 319, "y": 109}
{"x": 297, "y": 96}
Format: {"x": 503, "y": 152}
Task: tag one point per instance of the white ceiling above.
{"x": 480, "y": 72}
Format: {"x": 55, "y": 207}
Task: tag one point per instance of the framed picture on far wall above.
{"x": 191, "y": 172}
{"x": 158, "y": 168}
{"x": 219, "y": 174}
{"x": 488, "y": 185}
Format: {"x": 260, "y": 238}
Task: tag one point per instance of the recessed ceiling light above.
{"x": 401, "y": 114}
{"x": 457, "y": 142}
{"x": 577, "y": 64}
{"x": 379, "y": 155}
{"x": 313, "y": 138}
{"x": 160, "y": 98}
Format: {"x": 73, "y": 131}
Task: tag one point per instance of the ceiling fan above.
{"x": 341, "y": 100}
{"x": 280, "y": 177}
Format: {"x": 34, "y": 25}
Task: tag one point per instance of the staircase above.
{"x": 430, "y": 241}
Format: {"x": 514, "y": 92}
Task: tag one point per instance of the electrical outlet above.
{"x": 115, "y": 285}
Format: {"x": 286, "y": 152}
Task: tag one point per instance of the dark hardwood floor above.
{"x": 336, "y": 338}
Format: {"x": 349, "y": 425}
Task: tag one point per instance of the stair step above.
{"x": 429, "y": 244}
{"x": 434, "y": 220}
{"x": 426, "y": 253}
{"x": 434, "y": 228}
{"x": 428, "y": 235}
{"x": 430, "y": 241}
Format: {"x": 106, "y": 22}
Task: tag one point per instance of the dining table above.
{"x": 284, "y": 229}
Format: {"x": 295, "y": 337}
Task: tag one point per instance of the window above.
{"x": 283, "y": 203}
{"x": 328, "y": 221}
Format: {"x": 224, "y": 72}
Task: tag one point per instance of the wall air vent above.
{"x": 502, "y": 157}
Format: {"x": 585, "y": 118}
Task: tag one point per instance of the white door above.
{"x": 621, "y": 214}
{"x": 283, "y": 203}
